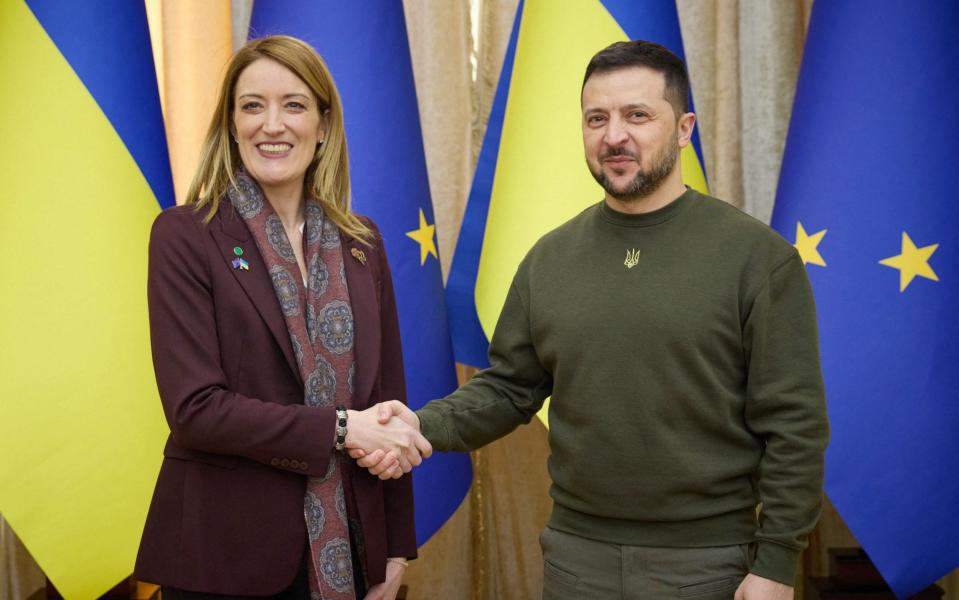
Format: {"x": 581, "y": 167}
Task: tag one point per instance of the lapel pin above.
{"x": 238, "y": 251}
{"x": 358, "y": 255}
{"x": 241, "y": 263}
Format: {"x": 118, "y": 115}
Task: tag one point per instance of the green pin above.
{"x": 238, "y": 251}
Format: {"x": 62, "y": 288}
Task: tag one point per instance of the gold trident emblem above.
{"x": 632, "y": 258}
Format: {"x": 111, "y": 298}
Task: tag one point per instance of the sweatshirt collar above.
{"x": 648, "y": 219}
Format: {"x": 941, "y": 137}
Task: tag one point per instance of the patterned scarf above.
{"x": 319, "y": 319}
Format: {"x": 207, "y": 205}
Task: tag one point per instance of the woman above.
{"x": 273, "y": 326}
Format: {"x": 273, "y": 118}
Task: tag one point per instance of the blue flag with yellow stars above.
{"x": 868, "y": 194}
{"x": 368, "y": 53}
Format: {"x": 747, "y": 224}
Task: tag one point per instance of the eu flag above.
{"x": 868, "y": 193}
{"x": 85, "y": 171}
{"x": 531, "y": 176}
{"x": 368, "y": 53}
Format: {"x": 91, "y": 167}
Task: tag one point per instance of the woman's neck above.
{"x": 288, "y": 204}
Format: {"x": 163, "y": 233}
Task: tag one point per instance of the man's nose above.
{"x": 615, "y": 134}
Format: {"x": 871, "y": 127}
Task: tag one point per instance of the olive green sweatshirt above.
{"x": 681, "y": 354}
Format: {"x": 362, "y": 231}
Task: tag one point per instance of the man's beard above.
{"x": 646, "y": 181}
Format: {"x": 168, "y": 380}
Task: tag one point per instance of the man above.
{"x": 677, "y": 338}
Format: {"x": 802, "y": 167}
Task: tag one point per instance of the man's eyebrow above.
{"x": 633, "y": 106}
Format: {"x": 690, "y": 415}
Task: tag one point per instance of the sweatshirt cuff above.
{"x": 776, "y": 562}
{"x": 433, "y": 429}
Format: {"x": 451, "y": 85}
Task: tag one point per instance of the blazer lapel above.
{"x": 366, "y": 318}
{"x": 255, "y": 281}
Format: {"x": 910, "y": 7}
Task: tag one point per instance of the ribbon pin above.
{"x": 358, "y": 255}
{"x": 241, "y": 263}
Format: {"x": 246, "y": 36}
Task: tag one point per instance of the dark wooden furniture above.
{"x": 852, "y": 576}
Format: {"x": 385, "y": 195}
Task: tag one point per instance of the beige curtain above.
{"x": 441, "y": 48}
{"x": 743, "y": 59}
{"x": 192, "y": 42}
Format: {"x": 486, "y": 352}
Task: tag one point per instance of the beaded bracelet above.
{"x": 340, "y": 428}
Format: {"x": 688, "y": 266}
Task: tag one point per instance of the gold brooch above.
{"x": 632, "y": 258}
{"x": 358, "y": 255}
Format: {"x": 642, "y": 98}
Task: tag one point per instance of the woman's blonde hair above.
{"x": 327, "y": 176}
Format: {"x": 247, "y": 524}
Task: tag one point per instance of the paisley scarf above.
{"x": 319, "y": 319}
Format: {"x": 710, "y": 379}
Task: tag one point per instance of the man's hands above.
{"x": 755, "y": 587}
{"x": 387, "y": 446}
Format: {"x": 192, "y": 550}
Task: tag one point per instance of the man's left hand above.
{"x": 755, "y": 587}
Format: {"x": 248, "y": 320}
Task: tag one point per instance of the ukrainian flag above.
{"x": 368, "y": 53}
{"x": 868, "y": 193}
{"x": 531, "y": 176}
{"x": 84, "y": 171}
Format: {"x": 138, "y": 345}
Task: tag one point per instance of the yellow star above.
{"x": 424, "y": 237}
{"x": 913, "y": 261}
{"x": 807, "y": 246}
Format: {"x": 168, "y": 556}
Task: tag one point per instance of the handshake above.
{"x": 386, "y": 439}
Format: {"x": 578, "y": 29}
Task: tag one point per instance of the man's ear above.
{"x": 684, "y": 128}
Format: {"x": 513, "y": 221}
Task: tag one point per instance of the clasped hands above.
{"x": 386, "y": 439}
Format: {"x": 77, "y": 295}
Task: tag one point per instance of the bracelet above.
{"x": 340, "y": 428}
{"x": 399, "y": 561}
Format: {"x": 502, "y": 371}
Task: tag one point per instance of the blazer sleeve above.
{"x": 398, "y": 493}
{"x": 202, "y": 412}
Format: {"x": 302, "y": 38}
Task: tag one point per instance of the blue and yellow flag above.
{"x": 84, "y": 171}
{"x": 868, "y": 194}
{"x": 368, "y": 53}
{"x": 531, "y": 176}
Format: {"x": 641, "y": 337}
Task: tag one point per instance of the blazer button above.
{"x": 285, "y": 462}
{"x": 294, "y": 464}
{"x": 304, "y": 465}
{"x": 274, "y": 462}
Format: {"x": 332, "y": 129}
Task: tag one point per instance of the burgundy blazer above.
{"x": 227, "y": 512}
